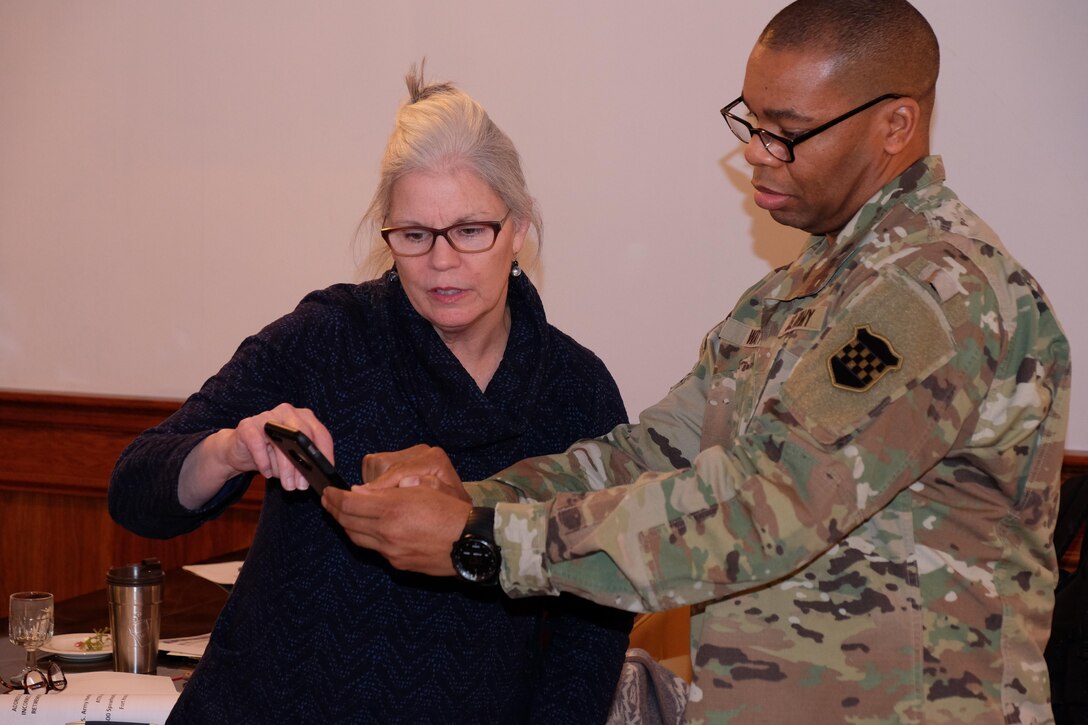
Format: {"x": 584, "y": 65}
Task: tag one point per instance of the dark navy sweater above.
{"x": 317, "y": 630}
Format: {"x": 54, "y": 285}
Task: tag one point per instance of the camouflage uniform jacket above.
{"x": 855, "y": 486}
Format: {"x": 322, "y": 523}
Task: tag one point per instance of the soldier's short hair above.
{"x": 885, "y": 46}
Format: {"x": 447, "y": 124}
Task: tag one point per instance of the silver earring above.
{"x": 392, "y": 275}
{"x": 515, "y": 270}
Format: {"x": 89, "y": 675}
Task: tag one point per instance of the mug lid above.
{"x": 148, "y": 571}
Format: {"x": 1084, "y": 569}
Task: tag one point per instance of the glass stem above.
{"x": 31, "y": 659}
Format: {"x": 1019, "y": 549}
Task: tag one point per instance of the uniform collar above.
{"x": 822, "y": 257}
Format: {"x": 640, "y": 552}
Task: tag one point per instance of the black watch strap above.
{"x": 481, "y": 523}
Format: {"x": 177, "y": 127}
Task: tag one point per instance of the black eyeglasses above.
{"x": 39, "y": 680}
{"x": 466, "y": 237}
{"x": 782, "y": 148}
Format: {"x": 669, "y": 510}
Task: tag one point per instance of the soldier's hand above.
{"x": 413, "y": 527}
{"x": 418, "y": 465}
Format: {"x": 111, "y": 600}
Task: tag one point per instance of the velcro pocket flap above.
{"x": 892, "y": 336}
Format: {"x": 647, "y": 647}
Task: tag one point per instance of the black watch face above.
{"x": 476, "y": 560}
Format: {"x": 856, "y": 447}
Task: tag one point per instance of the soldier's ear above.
{"x": 901, "y": 120}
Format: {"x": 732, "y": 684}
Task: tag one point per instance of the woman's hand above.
{"x": 251, "y": 448}
{"x": 231, "y": 451}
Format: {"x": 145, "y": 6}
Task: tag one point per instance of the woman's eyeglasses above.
{"x": 466, "y": 237}
{"x": 38, "y": 679}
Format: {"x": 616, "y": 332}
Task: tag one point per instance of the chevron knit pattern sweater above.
{"x": 317, "y": 630}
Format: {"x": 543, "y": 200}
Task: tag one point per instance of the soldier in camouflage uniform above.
{"x": 855, "y": 487}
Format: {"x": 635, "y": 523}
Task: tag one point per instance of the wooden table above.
{"x": 190, "y": 607}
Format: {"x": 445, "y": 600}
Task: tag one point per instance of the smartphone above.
{"x": 297, "y": 446}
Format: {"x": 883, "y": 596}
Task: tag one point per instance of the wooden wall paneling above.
{"x": 1074, "y": 464}
{"x": 56, "y": 456}
{"x": 64, "y": 544}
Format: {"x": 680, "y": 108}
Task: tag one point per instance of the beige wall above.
{"x": 175, "y": 174}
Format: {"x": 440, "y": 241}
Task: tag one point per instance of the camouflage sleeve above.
{"x": 666, "y": 437}
{"x": 816, "y": 460}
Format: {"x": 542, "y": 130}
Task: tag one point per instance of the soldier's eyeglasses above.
{"x": 779, "y": 146}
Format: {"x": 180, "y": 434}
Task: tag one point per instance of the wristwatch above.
{"x": 475, "y": 555}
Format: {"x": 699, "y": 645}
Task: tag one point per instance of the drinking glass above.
{"x": 30, "y": 623}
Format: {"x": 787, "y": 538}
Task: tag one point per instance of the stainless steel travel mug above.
{"x": 135, "y": 600}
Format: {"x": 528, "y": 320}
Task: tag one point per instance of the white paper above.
{"x": 86, "y": 683}
{"x": 57, "y": 708}
{"x": 118, "y": 696}
{"x": 224, "y": 573}
{"x": 185, "y": 646}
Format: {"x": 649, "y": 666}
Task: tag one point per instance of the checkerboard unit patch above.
{"x": 862, "y": 361}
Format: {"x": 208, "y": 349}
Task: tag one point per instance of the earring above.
{"x": 392, "y": 275}
{"x": 515, "y": 270}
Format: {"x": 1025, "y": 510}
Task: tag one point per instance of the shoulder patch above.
{"x": 891, "y": 336}
{"x": 862, "y": 361}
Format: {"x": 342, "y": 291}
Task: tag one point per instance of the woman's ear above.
{"x": 521, "y": 229}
